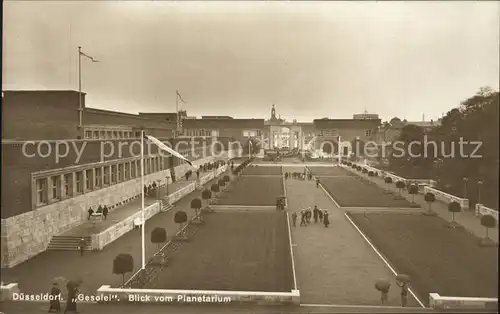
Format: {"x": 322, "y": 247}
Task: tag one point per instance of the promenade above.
{"x": 95, "y": 268}
{"x": 465, "y": 218}
{"x": 334, "y": 265}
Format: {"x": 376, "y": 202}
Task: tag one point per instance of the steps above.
{"x": 165, "y": 205}
{"x": 68, "y": 243}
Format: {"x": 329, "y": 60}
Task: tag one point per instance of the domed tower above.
{"x": 273, "y": 113}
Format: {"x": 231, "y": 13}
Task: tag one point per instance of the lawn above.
{"x": 352, "y": 192}
{"x": 253, "y": 190}
{"x": 242, "y": 251}
{"x": 330, "y": 171}
{"x": 437, "y": 259}
{"x": 262, "y": 170}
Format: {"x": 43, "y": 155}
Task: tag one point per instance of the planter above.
{"x": 487, "y": 242}
{"x": 181, "y": 238}
{"x": 428, "y": 213}
{"x": 159, "y": 259}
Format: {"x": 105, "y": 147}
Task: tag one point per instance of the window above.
{"x": 368, "y": 132}
{"x": 68, "y": 184}
{"x": 109, "y": 134}
{"x": 127, "y": 171}
{"x": 125, "y": 134}
{"x": 79, "y": 182}
{"x": 102, "y": 134}
{"x": 120, "y": 173}
{"x": 88, "y": 134}
{"x": 96, "y": 134}
{"x": 106, "y": 175}
{"x": 98, "y": 177}
{"x": 88, "y": 179}
{"x": 133, "y": 169}
{"x": 54, "y": 184}
{"x": 41, "y": 189}
{"x": 113, "y": 174}
{"x": 138, "y": 134}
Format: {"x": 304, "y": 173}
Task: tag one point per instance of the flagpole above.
{"x": 142, "y": 201}
{"x": 177, "y": 109}
{"x": 80, "y": 86}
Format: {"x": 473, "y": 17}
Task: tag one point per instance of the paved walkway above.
{"x": 465, "y": 218}
{"x": 95, "y": 268}
{"x": 334, "y": 265}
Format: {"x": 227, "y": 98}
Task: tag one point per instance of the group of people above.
{"x": 100, "y": 210}
{"x": 298, "y": 175}
{"x": 307, "y": 214}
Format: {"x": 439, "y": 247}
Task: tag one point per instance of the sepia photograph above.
{"x": 249, "y": 157}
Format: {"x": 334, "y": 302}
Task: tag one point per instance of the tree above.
{"x": 122, "y": 264}
{"x": 488, "y": 221}
{"x": 206, "y": 194}
{"x": 400, "y": 185}
{"x": 227, "y": 178}
{"x": 454, "y": 207}
{"x": 215, "y": 188}
{"x": 221, "y": 183}
{"x": 180, "y": 218}
{"x": 158, "y": 236}
{"x": 413, "y": 190}
{"x": 430, "y": 198}
{"x": 388, "y": 180}
{"x": 196, "y": 205}
{"x": 371, "y": 174}
{"x": 364, "y": 170}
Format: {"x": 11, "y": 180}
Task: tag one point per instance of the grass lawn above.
{"x": 330, "y": 171}
{"x": 243, "y": 251}
{"x": 352, "y": 192}
{"x": 437, "y": 259}
{"x": 253, "y": 190}
{"x": 263, "y": 170}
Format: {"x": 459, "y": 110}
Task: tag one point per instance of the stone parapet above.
{"x": 482, "y": 210}
{"x": 462, "y": 303}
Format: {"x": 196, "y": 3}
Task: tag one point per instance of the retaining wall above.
{"x": 447, "y": 198}
{"x": 449, "y": 303}
{"x": 482, "y": 210}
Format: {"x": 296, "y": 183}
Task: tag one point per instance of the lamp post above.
{"x": 166, "y": 184}
{"x": 465, "y": 179}
{"x": 158, "y": 194}
{"x": 479, "y": 186}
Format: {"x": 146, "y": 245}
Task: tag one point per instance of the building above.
{"x": 59, "y": 158}
{"x": 365, "y": 116}
{"x": 390, "y": 131}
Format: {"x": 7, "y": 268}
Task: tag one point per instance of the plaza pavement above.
{"x": 334, "y": 265}
{"x": 466, "y": 218}
{"x": 95, "y": 268}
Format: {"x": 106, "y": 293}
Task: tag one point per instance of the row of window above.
{"x": 333, "y": 133}
{"x": 200, "y": 132}
{"x": 110, "y": 134}
{"x": 58, "y": 187}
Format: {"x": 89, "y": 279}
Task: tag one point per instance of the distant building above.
{"x": 216, "y": 117}
{"x": 365, "y": 116}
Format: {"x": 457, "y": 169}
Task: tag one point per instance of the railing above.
{"x": 448, "y": 198}
{"x": 482, "y": 210}
{"x": 440, "y": 302}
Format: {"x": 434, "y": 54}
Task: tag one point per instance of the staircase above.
{"x": 68, "y": 243}
{"x": 165, "y": 205}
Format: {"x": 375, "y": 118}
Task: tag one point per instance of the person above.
{"x": 404, "y": 294}
{"x": 99, "y": 209}
{"x": 71, "y": 301}
{"x": 294, "y": 219}
{"x": 55, "y": 303}
{"x": 326, "y": 221}
{"x": 105, "y": 212}
{"x": 303, "y": 221}
{"x": 82, "y": 246}
{"x": 278, "y": 203}
{"x": 315, "y": 214}
{"x": 198, "y": 174}
{"x": 145, "y": 190}
{"x": 91, "y": 211}
{"x": 320, "y": 215}
{"x": 317, "y": 182}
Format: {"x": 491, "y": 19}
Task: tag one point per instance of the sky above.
{"x": 310, "y": 59}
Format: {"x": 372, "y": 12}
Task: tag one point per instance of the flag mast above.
{"x": 142, "y": 203}
{"x": 80, "y": 110}
{"x": 177, "y": 110}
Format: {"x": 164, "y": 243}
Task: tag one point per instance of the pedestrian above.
{"x": 294, "y": 219}
{"x": 309, "y": 215}
{"x": 198, "y": 174}
{"x": 55, "y": 296}
{"x": 91, "y": 211}
{"x": 303, "y": 221}
{"x": 145, "y": 190}
{"x": 105, "y": 212}
{"x": 320, "y": 215}
{"x": 315, "y": 213}
{"x": 82, "y": 246}
{"x": 326, "y": 221}
{"x": 99, "y": 209}
{"x": 317, "y": 182}
{"x": 404, "y": 294}
{"x": 71, "y": 301}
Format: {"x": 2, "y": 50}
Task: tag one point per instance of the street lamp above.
{"x": 479, "y": 186}
{"x": 465, "y": 179}
{"x": 166, "y": 184}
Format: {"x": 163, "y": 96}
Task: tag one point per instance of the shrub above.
{"x": 488, "y": 221}
{"x": 158, "y": 236}
{"x": 388, "y": 180}
{"x": 227, "y": 178}
{"x": 206, "y": 194}
{"x": 215, "y": 188}
{"x": 364, "y": 170}
{"x": 221, "y": 182}
{"x": 371, "y": 174}
{"x": 429, "y": 198}
{"x": 122, "y": 264}
{"x": 454, "y": 207}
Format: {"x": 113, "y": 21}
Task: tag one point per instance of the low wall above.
{"x": 29, "y": 234}
{"x": 482, "y": 210}
{"x": 439, "y": 302}
{"x": 156, "y": 296}
{"x": 100, "y": 240}
{"x": 447, "y": 198}
{"x": 7, "y": 291}
{"x": 421, "y": 182}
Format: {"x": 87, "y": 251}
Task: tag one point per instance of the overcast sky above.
{"x": 311, "y": 59}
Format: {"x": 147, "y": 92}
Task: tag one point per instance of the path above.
{"x": 465, "y": 218}
{"x": 334, "y": 265}
{"x": 95, "y": 268}
{"x": 87, "y": 228}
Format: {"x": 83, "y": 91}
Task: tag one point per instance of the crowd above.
{"x": 306, "y": 214}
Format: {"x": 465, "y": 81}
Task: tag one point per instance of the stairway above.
{"x": 165, "y": 205}
{"x": 68, "y": 243}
